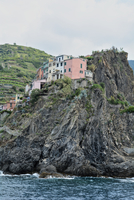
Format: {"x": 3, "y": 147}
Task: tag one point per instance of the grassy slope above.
{"x": 19, "y": 67}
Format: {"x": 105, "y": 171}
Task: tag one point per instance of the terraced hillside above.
{"x": 18, "y": 65}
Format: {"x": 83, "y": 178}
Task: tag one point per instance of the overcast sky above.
{"x": 75, "y": 27}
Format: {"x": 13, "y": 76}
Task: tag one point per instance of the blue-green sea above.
{"x": 31, "y": 187}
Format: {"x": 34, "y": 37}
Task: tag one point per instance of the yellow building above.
{"x": 51, "y": 70}
{"x": 17, "y": 98}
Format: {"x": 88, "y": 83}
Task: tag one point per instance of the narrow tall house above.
{"x": 59, "y": 67}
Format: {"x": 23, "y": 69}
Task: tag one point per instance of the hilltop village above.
{"x": 57, "y": 67}
{"x": 53, "y": 69}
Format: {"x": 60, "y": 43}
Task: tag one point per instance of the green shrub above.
{"x": 100, "y": 60}
{"x": 14, "y": 88}
{"x": 1, "y": 68}
{"x": 20, "y": 74}
{"x": 77, "y": 92}
{"x": 102, "y": 85}
{"x": 95, "y": 86}
{"x": 114, "y": 101}
{"x": 91, "y": 67}
{"x": 34, "y": 96}
{"x": 130, "y": 109}
{"x": 8, "y": 111}
{"x": 90, "y": 57}
{"x": 24, "y": 100}
{"x": 21, "y": 89}
{"x": 67, "y": 80}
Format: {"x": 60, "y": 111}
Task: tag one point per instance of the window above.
{"x": 80, "y": 65}
{"x": 81, "y": 72}
{"x": 49, "y": 65}
{"x": 61, "y": 64}
{"x": 10, "y": 105}
{"x": 53, "y": 63}
{"x": 49, "y": 71}
{"x": 18, "y": 98}
{"x": 65, "y": 63}
{"x": 57, "y": 64}
{"x": 69, "y": 69}
{"x": 61, "y": 71}
{"x": 59, "y": 59}
{"x": 44, "y": 70}
{"x": 64, "y": 70}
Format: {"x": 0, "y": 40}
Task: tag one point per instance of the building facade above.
{"x": 59, "y": 66}
{"x": 39, "y": 74}
{"x": 17, "y": 98}
{"x": 38, "y": 84}
{"x": 11, "y": 104}
{"x": 75, "y": 68}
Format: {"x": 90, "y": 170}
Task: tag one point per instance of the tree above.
{"x": 1, "y": 68}
{"x": 14, "y": 88}
{"x": 6, "y": 66}
{"x": 34, "y": 96}
{"x": 21, "y": 89}
{"x": 20, "y": 74}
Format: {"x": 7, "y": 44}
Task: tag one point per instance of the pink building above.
{"x": 75, "y": 68}
{"x": 37, "y": 84}
{"x": 5, "y": 107}
{"x": 10, "y": 105}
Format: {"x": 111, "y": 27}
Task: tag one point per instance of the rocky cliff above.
{"x": 77, "y": 131}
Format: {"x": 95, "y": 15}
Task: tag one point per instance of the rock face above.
{"x": 84, "y": 136}
{"x": 113, "y": 69}
{"x": 3, "y": 117}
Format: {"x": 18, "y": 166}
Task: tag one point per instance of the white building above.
{"x": 59, "y": 66}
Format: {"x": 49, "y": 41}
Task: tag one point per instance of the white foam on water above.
{"x": 67, "y": 177}
{"x": 127, "y": 180}
{"x": 1, "y": 173}
{"x": 36, "y": 175}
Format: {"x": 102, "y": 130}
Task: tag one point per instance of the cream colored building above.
{"x": 51, "y": 70}
{"x": 17, "y": 98}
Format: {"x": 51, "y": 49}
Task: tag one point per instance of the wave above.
{"x": 64, "y": 177}
{"x": 35, "y": 174}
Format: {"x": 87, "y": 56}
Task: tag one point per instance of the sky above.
{"x": 74, "y": 27}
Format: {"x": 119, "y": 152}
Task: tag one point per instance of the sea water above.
{"x": 31, "y": 187}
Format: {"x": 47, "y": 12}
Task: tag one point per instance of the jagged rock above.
{"x": 50, "y": 168}
{"x": 85, "y": 136}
